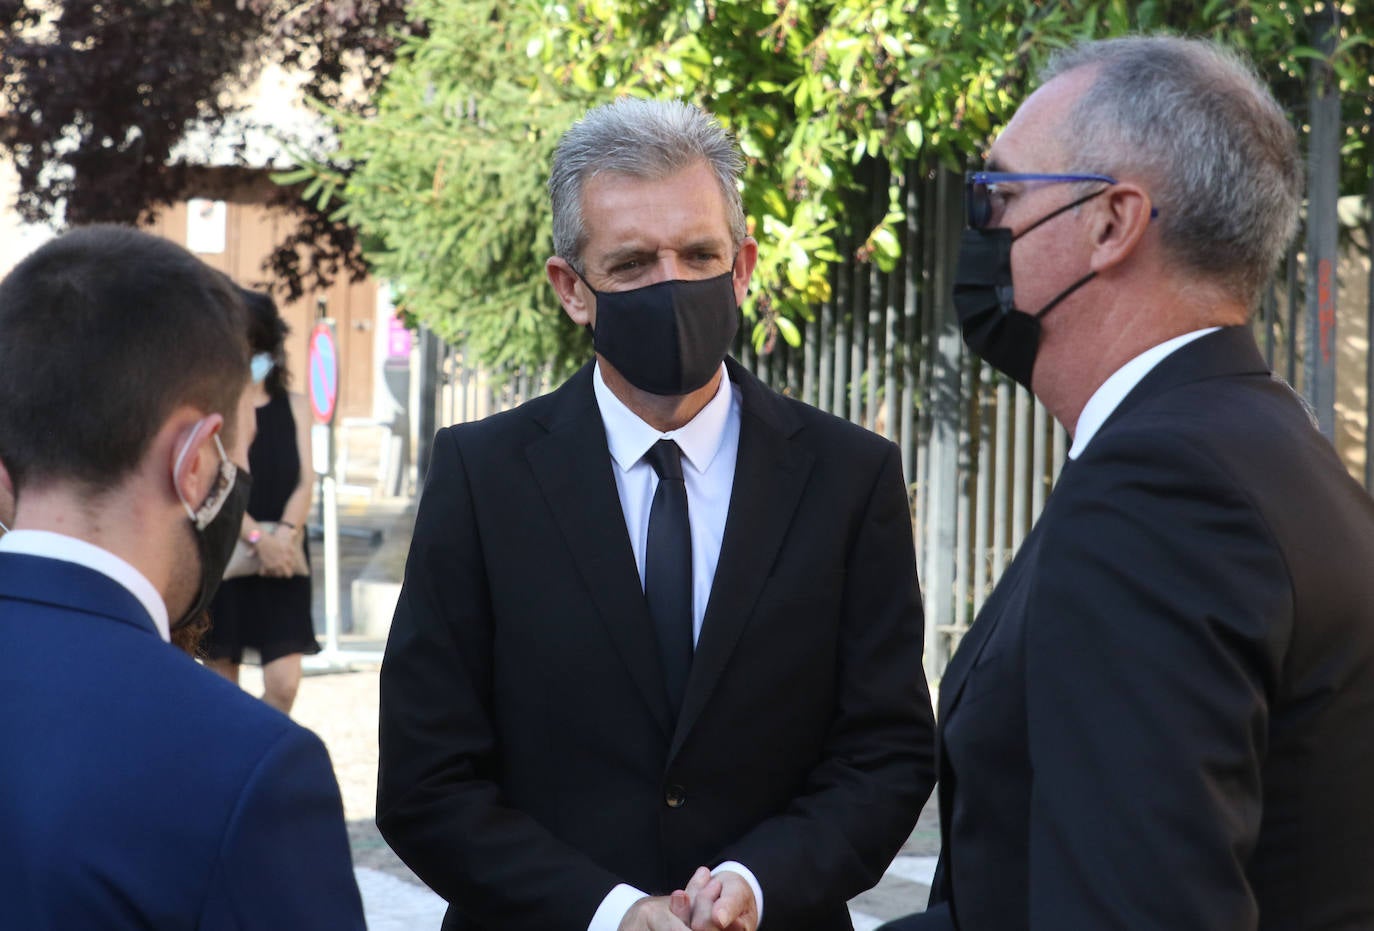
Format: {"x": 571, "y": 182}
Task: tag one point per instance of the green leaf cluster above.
{"x": 448, "y": 178}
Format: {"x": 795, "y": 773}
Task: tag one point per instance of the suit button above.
{"x": 675, "y": 797}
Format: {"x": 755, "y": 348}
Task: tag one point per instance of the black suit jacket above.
{"x": 1163, "y": 718}
{"x": 528, "y": 759}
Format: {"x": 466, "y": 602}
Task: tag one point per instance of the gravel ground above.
{"x": 342, "y": 708}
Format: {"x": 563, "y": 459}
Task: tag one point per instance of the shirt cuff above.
{"x": 734, "y": 866}
{"x": 612, "y": 910}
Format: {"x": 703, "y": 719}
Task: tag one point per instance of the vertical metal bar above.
{"x": 826, "y": 349}
{"x": 1001, "y": 493}
{"x": 983, "y": 494}
{"x": 1323, "y": 178}
{"x": 1369, "y": 350}
{"x": 809, "y": 360}
{"x": 1021, "y": 469}
{"x": 911, "y": 333}
{"x": 429, "y": 363}
{"x": 842, "y": 310}
{"x": 946, "y": 415}
{"x": 1061, "y": 448}
{"x": 445, "y": 383}
{"x": 926, "y": 375}
{"x": 963, "y": 510}
{"x": 1039, "y": 459}
{"x": 877, "y": 307}
{"x": 455, "y": 362}
{"x": 859, "y": 324}
{"x": 329, "y": 498}
{"x": 890, "y": 357}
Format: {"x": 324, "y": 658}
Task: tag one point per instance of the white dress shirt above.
{"x": 1113, "y": 391}
{"x": 69, "y": 549}
{"x": 710, "y": 446}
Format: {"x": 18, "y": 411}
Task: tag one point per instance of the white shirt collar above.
{"x": 1113, "y": 391}
{"x": 50, "y": 545}
{"x": 629, "y": 437}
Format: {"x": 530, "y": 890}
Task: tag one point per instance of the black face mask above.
{"x": 216, "y": 524}
{"x": 984, "y": 299}
{"x": 667, "y": 338}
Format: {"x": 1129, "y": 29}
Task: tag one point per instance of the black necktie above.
{"x": 668, "y": 569}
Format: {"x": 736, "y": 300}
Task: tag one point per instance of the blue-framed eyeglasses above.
{"x": 982, "y": 205}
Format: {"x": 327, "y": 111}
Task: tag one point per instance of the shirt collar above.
{"x": 629, "y": 437}
{"x": 1113, "y": 391}
{"x": 69, "y": 549}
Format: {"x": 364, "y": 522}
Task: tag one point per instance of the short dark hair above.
{"x": 103, "y": 332}
{"x": 267, "y": 333}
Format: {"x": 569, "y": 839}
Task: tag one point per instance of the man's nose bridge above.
{"x": 668, "y": 267}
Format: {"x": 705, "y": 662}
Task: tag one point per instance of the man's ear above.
{"x": 195, "y": 459}
{"x": 745, "y": 260}
{"x": 578, "y": 303}
{"x": 1119, "y": 221}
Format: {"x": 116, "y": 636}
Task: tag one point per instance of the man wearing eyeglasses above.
{"x": 1162, "y": 717}
{"x": 139, "y": 790}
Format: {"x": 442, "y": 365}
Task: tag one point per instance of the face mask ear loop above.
{"x": 176, "y": 470}
{"x": 591, "y": 330}
{"x": 1050, "y": 216}
{"x": 1065, "y": 293}
{"x": 181, "y": 457}
{"x": 3, "y": 528}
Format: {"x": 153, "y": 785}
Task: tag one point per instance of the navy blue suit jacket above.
{"x": 140, "y": 790}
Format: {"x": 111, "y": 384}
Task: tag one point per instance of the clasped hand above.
{"x": 276, "y": 556}
{"x": 709, "y": 903}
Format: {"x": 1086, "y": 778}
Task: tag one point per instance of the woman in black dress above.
{"x": 270, "y": 613}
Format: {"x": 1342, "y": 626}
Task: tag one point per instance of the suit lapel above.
{"x": 572, "y": 467}
{"x": 770, "y": 474}
{"x": 971, "y": 646}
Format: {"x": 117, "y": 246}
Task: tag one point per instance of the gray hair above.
{"x": 644, "y": 139}
{"x": 1216, "y": 149}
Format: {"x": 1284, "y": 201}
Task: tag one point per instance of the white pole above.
{"x": 329, "y": 489}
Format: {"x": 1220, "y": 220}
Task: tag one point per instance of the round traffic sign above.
{"x": 324, "y": 373}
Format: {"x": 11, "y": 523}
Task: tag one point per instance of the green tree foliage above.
{"x": 828, "y": 99}
{"x": 447, "y": 180}
{"x": 95, "y": 95}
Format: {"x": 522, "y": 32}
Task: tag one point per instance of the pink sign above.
{"x": 398, "y": 339}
